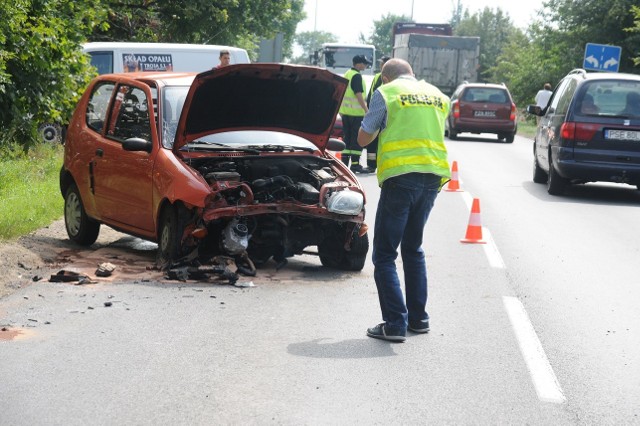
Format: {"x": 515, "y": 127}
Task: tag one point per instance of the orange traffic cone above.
{"x": 454, "y": 185}
{"x": 336, "y": 154}
{"x": 474, "y": 230}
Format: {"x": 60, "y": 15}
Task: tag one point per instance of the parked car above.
{"x": 589, "y": 131}
{"x": 231, "y": 161}
{"x": 482, "y": 108}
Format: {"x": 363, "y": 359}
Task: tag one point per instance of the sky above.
{"x": 348, "y": 18}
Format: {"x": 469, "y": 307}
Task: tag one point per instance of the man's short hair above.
{"x": 547, "y": 86}
{"x": 224, "y": 52}
{"x": 395, "y": 67}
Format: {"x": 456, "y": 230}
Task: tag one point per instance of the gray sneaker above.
{"x": 421, "y": 327}
{"x": 380, "y": 331}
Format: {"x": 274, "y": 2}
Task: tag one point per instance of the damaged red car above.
{"x": 233, "y": 162}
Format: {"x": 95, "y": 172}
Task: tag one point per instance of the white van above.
{"x": 117, "y": 57}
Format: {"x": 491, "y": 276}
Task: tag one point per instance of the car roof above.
{"x": 163, "y": 78}
{"x": 597, "y": 75}
{"x": 490, "y": 85}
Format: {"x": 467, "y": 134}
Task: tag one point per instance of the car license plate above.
{"x": 622, "y": 135}
{"x": 484, "y": 113}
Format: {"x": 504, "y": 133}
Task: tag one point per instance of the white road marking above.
{"x": 542, "y": 375}
{"x": 468, "y": 199}
{"x": 491, "y": 250}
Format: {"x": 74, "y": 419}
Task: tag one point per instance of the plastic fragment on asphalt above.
{"x": 105, "y": 269}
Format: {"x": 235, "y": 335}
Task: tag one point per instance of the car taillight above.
{"x": 568, "y": 131}
{"x": 512, "y": 116}
{"x": 586, "y": 131}
{"x": 578, "y": 131}
{"x": 456, "y": 109}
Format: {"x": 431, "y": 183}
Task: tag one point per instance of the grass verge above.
{"x": 29, "y": 189}
{"x": 526, "y": 129}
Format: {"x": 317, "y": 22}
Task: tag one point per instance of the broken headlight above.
{"x": 345, "y": 202}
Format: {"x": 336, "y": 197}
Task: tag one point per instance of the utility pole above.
{"x": 412, "y": 1}
{"x": 315, "y": 18}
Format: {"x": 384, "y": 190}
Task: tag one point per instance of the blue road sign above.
{"x": 601, "y": 57}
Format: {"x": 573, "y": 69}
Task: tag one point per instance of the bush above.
{"x": 43, "y": 70}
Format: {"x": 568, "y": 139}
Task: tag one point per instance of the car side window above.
{"x": 130, "y": 115}
{"x": 561, "y": 98}
{"x": 96, "y": 113}
{"x": 565, "y": 99}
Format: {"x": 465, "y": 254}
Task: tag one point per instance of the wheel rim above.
{"x": 164, "y": 237}
{"x": 73, "y": 213}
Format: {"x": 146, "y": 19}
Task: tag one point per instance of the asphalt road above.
{"x": 538, "y": 326}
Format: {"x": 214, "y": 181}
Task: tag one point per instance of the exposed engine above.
{"x": 254, "y": 181}
{"x": 271, "y": 179}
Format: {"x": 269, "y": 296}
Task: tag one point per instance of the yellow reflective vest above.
{"x": 350, "y": 105}
{"x": 413, "y": 139}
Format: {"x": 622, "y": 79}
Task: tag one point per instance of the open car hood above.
{"x": 294, "y": 99}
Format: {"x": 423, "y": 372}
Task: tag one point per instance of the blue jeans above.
{"x": 403, "y": 209}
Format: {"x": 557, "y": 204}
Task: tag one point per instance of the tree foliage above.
{"x": 495, "y": 29}
{"x": 311, "y": 41}
{"x": 42, "y": 68}
{"x": 228, "y": 22}
{"x": 556, "y": 42}
{"x": 382, "y": 35}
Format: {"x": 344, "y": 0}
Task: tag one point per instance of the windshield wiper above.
{"x": 214, "y": 146}
{"x": 281, "y": 148}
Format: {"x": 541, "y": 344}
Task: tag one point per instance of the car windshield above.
{"x": 253, "y": 139}
{"x": 485, "y": 94}
{"x": 172, "y": 102}
{"x": 342, "y": 57}
{"x": 610, "y": 98}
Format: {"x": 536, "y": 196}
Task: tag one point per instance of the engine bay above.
{"x": 270, "y": 179}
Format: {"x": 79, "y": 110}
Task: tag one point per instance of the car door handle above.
{"x": 99, "y": 152}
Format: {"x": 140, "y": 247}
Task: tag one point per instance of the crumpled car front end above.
{"x": 257, "y": 135}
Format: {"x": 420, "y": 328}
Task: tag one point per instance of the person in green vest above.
{"x": 372, "y": 148}
{"x": 352, "y": 111}
{"x": 409, "y": 116}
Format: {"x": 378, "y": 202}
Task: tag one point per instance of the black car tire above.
{"x": 539, "y": 175}
{"x": 510, "y": 138}
{"x": 169, "y": 237}
{"x": 354, "y": 260}
{"x": 81, "y": 229}
{"x": 453, "y": 135}
{"x": 556, "y": 184}
{"x": 333, "y": 254}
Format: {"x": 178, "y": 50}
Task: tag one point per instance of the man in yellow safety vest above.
{"x": 352, "y": 111}
{"x": 409, "y": 116}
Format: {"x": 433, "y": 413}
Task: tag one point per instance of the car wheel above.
{"x": 556, "y": 184}
{"x": 539, "y": 175}
{"x": 510, "y": 138}
{"x": 81, "y": 229}
{"x": 453, "y": 135}
{"x": 354, "y": 259}
{"x": 169, "y": 237}
{"x": 333, "y": 254}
